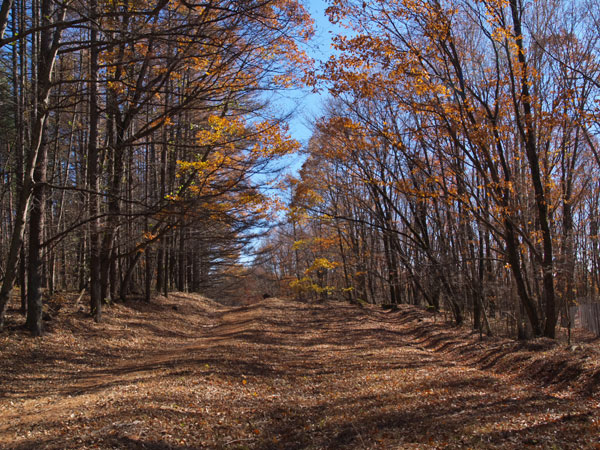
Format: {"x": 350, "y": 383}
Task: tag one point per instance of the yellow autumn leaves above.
{"x": 228, "y": 150}
{"x": 266, "y": 138}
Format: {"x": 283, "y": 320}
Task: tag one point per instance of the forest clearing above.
{"x": 185, "y": 372}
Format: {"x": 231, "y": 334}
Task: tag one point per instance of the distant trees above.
{"x": 460, "y": 155}
{"x": 133, "y": 141}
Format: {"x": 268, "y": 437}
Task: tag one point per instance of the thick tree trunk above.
{"x": 36, "y": 223}
{"x": 4, "y": 15}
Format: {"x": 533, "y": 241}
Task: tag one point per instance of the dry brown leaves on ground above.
{"x": 187, "y": 373}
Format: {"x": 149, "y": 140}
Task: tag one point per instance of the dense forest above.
{"x": 137, "y": 141}
{"x": 455, "y": 165}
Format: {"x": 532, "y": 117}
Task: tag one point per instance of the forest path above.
{"x": 277, "y": 374}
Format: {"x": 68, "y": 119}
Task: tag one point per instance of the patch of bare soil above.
{"x": 187, "y": 373}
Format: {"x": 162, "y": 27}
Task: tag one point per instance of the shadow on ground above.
{"x": 279, "y": 375}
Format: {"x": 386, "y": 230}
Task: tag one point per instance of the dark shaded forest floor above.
{"x": 188, "y": 373}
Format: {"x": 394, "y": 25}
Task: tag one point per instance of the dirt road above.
{"x": 188, "y": 374}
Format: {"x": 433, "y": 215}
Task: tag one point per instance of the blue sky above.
{"x": 306, "y": 105}
{"x": 310, "y": 104}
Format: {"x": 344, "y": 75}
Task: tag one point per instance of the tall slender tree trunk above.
{"x": 527, "y": 131}
{"x": 50, "y": 39}
{"x": 181, "y": 261}
{"x": 92, "y": 173}
{"x": 46, "y": 62}
{"x": 148, "y": 274}
{"x": 166, "y": 268}
{"x": 160, "y": 267}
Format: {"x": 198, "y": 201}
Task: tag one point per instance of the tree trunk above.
{"x": 527, "y": 130}
{"x": 160, "y": 267}
{"x": 148, "y": 275}
{"x": 36, "y": 223}
{"x": 92, "y": 173}
{"x": 50, "y": 44}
